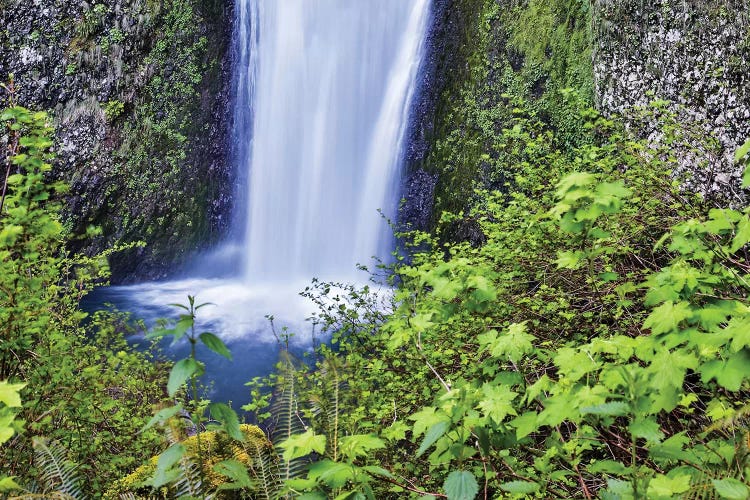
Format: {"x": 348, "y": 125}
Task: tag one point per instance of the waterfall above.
{"x": 323, "y": 89}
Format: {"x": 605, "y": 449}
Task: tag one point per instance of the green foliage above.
{"x": 84, "y": 386}
{"x": 113, "y": 109}
{"x": 229, "y": 465}
{"x": 59, "y": 475}
{"x": 174, "y": 465}
{"x": 592, "y": 345}
{"x": 156, "y": 142}
{"x": 532, "y": 57}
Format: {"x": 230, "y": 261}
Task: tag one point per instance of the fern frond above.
{"x": 188, "y": 483}
{"x": 287, "y": 418}
{"x": 55, "y": 495}
{"x": 59, "y": 474}
{"x": 265, "y": 469}
{"x": 326, "y": 404}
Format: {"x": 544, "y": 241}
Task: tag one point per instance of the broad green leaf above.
{"x": 646, "y": 429}
{"x": 312, "y": 495}
{"x": 673, "y": 448}
{"x": 396, "y": 432}
{"x": 425, "y": 419}
{"x": 377, "y": 471}
{"x": 742, "y": 236}
{"x": 667, "y": 317}
{"x": 330, "y": 473}
{"x": 730, "y": 373}
{"x": 215, "y": 344}
{"x": 731, "y": 488}
{"x": 525, "y": 424}
{"x": 568, "y": 259}
{"x": 227, "y": 416}
{"x": 461, "y": 485}
{"x": 181, "y": 371}
{"x": 8, "y": 484}
{"x": 574, "y": 363}
{"x": 742, "y": 151}
{"x": 665, "y": 486}
{"x": 609, "y": 467}
{"x": 165, "y": 473}
{"x": 573, "y": 181}
{"x": 497, "y": 402}
{"x": 512, "y": 344}
{"x": 610, "y": 409}
{"x": 162, "y": 415}
{"x": 358, "y": 445}
{"x": 300, "y": 445}
{"x": 10, "y": 394}
{"x": 236, "y": 471}
{"x": 520, "y": 487}
{"x": 436, "y": 432}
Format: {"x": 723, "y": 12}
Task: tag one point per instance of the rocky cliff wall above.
{"x": 138, "y": 91}
{"x": 694, "y": 54}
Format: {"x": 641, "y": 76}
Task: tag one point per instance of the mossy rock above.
{"x": 215, "y": 447}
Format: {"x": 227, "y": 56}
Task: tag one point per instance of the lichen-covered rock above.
{"x": 138, "y": 90}
{"x": 694, "y": 54}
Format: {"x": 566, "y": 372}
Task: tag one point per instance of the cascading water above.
{"x": 322, "y": 93}
{"x": 328, "y": 83}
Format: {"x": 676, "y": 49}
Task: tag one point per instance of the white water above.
{"x": 322, "y": 91}
{"x": 331, "y": 82}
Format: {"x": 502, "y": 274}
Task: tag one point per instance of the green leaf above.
{"x": 181, "y": 371}
{"x": 730, "y": 373}
{"x": 525, "y": 424}
{"x": 300, "y": 445}
{"x": 497, "y": 402}
{"x": 742, "y": 151}
{"x": 512, "y": 344}
{"x": 610, "y": 409}
{"x": 358, "y": 445}
{"x": 436, "y": 432}
{"x": 8, "y": 484}
{"x": 461, "y": 485}
{"x": 646, "y": 429}
{"x": 520, "y": 487}
{"x": 425, "y": 419}
{"x": 667, "y": 317}
{"x": 162, "y": 415}
{"x": 227, "y": 416}
{"x": 215, "y": 344}
{"x": 165, "y": 473}
{"x": 396, "y": 432}
{"x": 665, "y": 486}
{"x": 742, "y": 236}
{"x": 568, "y": 259}
{"x": 10, "y": 394}
{"x": 731, "y": 488}
{"x": 236, "y": 471}
{"x": 609, "y": 467}
{"x": 377, "y": 471}
{"x": 330, "y": 473}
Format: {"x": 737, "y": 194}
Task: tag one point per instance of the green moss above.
{"x": 215, "y": 447}
{"x": 530, "y": 51}
{"x": 159, "y": 193}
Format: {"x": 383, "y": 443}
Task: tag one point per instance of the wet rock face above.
{"x": 695, "y": 54}
{"x": 419, "y": 198}
{"x": 142, "y": 166}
